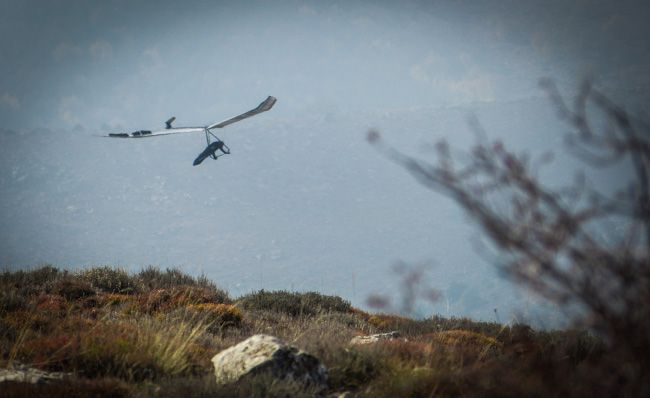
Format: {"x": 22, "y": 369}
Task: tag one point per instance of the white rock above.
{"x": 25, "y": 374}
{"x": 264, "y": 354}
{"x": 377, "y": 337}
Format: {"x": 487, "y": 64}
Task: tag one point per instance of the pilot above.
{"x": 211, "y": 152}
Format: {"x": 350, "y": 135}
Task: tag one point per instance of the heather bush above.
{"x": 294, "y": 304}
{"x": 50, "y": 303}
{"x": 390, "y": 368}
{"x": 350, "y": 320}
{"x": 114, "y": 300}
{"x": 466, "y": 340}
{"x": 41, "y": 276}
{"x": 165, "y": 300}
{"x": 109, "y": 279}
{"x": 217, "y": 316}
{"x": 36, "y": 281}
{"x": 351, "y": 368}
{"x": 410, "y": 327}
{"x": 73, "y": 289}
{"x": 386, "y": 322}
{"x": 152, "y": 278}
{"x": 17, "y": 324}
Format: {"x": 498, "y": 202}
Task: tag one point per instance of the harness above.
{"x": 225, "y": 150}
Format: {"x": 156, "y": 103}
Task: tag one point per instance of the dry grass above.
{"x": 158, "y": 341}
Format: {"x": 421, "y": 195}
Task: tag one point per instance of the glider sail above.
{"x": 146, "y": 133}
{"x": 263, "y": 107}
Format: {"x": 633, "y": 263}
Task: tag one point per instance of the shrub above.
{"x": 218, "y": 316}
{"x": 294, "y": 304}
{"x": 37, "y": 281}
{"x": 464, "y": 338}
{"x": 109, "y": 279}
{"x": 352, "y": 368}
{"x": 42, "y": 276}
{"x": 20, "y": 321}
{"x": 114, "y": 300}
{"x": 165, "y": 300}
{"x": 152, "y": 278}
{"x": 50, "y": 303}
{"x": 388, "y": 369}
{"x": 386, "y": 322}
{"x": 73, "y": 289}
{"x": 412, "y": 328}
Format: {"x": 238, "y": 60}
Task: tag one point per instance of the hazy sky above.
{"x": 303, "y": 202}
{"x": 115, "y": 63}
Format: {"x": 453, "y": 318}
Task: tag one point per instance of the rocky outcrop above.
{"x": 24, "y": 374}
{"x": 377, "y": 337}
{"x": 268, "y": 355}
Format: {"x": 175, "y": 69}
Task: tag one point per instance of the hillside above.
{"x": 153, "y": 333}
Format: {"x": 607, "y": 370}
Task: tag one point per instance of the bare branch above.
{"x": 546, "y": 235}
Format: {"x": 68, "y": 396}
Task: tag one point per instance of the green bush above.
{"x": 152, "y": 278}
{"x": 43, "y": 275}
{"x": 36, "y": 281}
{"x": 294, "y": 304}
{"x": 109, "y": 279}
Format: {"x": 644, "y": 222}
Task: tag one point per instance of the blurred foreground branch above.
{"x": 549, "y": 238}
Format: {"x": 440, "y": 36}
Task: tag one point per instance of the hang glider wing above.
{"x": 147, "y": 133}
{"x": 263, "y": 107}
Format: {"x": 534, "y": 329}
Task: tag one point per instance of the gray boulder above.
{"x": 268, "y": 355}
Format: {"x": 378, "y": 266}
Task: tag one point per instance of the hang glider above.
{"x": 213, "y": 146}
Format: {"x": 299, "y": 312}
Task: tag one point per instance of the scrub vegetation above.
{"x": 153, "y": 333}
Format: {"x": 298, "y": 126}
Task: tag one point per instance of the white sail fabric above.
{"x": 263, "y": 107}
